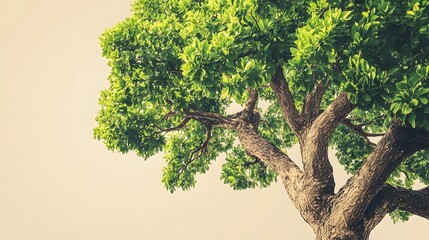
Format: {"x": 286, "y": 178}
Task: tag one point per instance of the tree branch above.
{"x": 314, "y": 149}
{"x": 329, "y": 119}
{"x": 381, "y": 205}
{"x": 287, "y": 104}
{"x": 257, "y": 146}
{"x": 390, "y": 198}
{"x": 250, "y": 113}
{"x": 178, "y": 127}
{"x": 398, "y": 143}
{"x": 271, "y": 156}
{"x": 359, "y": 130}
{"x": 312, "y": 102}
{"x": 415, "y": 202}
{"x": 251, "y": 103}
{"x": 212, "y": 119}
{"x": 207, "y": 118}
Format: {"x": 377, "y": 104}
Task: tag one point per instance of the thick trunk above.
{"x": 329, "y": 229}
{"x": 318, "y": 215}
{"x": 342, "y": 234}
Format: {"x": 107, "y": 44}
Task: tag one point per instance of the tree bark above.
{"x": 314, "y": 148}
{"x": 286, "y": 102}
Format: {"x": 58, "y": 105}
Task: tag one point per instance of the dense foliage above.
{"x": 174, "y": 57}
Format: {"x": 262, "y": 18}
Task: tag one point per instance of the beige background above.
{"x": 57, "y": 183}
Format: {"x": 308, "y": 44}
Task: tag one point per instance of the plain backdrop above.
{"x": 57, "y": 183}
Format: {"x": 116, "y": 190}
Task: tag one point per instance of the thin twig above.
{"x": 178, "y": 127}
{"x": 198, "y": 151}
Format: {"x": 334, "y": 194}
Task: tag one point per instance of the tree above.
{"x": 321, "y": 74}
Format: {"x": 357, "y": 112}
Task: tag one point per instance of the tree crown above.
{"x": 179, "y": 65}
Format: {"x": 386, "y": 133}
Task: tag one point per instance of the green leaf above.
{"x": 357, "y": 37}
{"x": 366, "y": 97}
{"x": 406, "y": 109}
{"x": 395, "y": 107}
{"x": 392, "y": 71}
{"x": 402, "y": 86}
{"x": 423, "y": 100}
{"x": 348, "y": 87}
{"x": 421, "y": 120}
{"x": 413, "y": 80}
{"x": 412, "y": 120}
{"x": 423, "y": 91}
{"x": 225, "y": 93}
{"x": 331, "y": 58}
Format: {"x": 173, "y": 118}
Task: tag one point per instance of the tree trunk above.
{"x": 342, "y": 234}
{"x": 328, "y": 225}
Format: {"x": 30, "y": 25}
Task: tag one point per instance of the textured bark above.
{"x": 382, "y": 204}
{"x": 317, "y": 184}
{"x": 314, "y": 148}
{"x": 312, "y": 102}
{"x": 286, "y": 102}
{"x": 390, "y": 198}
{"x": 357, "y": 233}
{"x": 273, "y": 157}
{"x": 415, "y": 202}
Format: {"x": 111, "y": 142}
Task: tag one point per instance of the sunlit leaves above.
{"x": 126, "y": 128}
{"x": 314, "y": 51}
{"x": 400, "y": 215}
{"x": 410, "y": 103}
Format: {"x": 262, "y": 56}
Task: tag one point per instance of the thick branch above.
{"x": 415, "y": 202}
{"x": 257, "y": 146}
{"x": 250, "y": 113}
{"x": 251, "y": 103}
{"x": 266, "y": 151}
{"x": 390, "y": 198}
{"x": 329, "y": 119}
{"x": 287, "y": 104}
{"x": 314, "y": 150}
{"x": 383, "y": 203}
{"x": 270, "y": 155}
{"x": 312, "y": 102}
{"x": 398, "y": 143}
